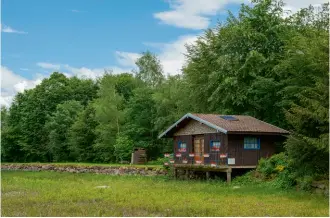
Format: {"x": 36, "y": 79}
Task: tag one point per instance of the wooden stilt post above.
{"x": 175, "y": 173}
{"x": 187, "y": 174}
{"x": 207, "y": 175}
{"x": 229, "y": 175}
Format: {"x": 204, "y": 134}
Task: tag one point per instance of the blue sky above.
{"x": 84, "y": 37}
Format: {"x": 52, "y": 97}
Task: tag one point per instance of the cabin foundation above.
{"x": 187, "y": 169}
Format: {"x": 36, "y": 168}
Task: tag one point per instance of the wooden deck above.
{"x": 208, "y": 168}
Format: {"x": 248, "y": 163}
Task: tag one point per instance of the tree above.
{"x": 123, "y": 148}
{"x": 110, "y": 116}
{"x": 10, "y": 150}
{"x": 82, "y": 136}
{"x": 305, "y": 73}
{"x": 30, "y": 109}
{"x": 57, "y": 126}
{"x": 139, "y": 124}
{"x": 149, "y": 69}
{"x": 229, "y": 69}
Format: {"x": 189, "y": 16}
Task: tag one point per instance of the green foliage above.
{"x": 247, "y": 179}
{"x": 273, "y": 165}
{"x": 123, "y": 148}
{"x": 109, "y": 115}
{"x": 29, "y": 112}
{"x": 58, "y": 125}
{"x": 159, "y": 161}
{"x": 82, "y": 136}
{"x": 305, "y": 182}
{"x": 149, "y": 69}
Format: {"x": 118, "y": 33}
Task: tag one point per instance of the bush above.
{"x": 272, "y": 166}
{"x": 123, "y": 148}
{"x": 159, "y": 161}
{"x": 277, "y": 168}
{"x": 246, "y": 179}
{"x": 284, "y": 180}
{"x": 305, "y": 183}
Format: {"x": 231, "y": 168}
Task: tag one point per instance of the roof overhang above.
{"x": 191, "y": 116}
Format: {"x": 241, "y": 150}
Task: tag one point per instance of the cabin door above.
{"x": 199, "y": 148}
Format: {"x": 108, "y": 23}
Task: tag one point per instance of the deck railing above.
{"x": 213, "y": 159}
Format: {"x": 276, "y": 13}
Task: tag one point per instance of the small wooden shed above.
{"x": 222, "y": 142}
{"x": 139, "y": 156}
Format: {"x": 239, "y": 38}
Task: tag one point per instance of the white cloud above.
{"x": 171, "y": 54}
{"x": 6, "y": 99}
{"x": 12, "y": 83}
{"x": 126, "y": 58}
{"x": 193, "y": 14}
{"x": 83, "y": 72}
{"x": 49, "y": 66}
{"x": 294, "y": 5}
{"x": 8, "y": 29}
{"x": 196, "y": 14}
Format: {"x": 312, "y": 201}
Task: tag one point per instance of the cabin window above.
{"x": 215, "y": 145}
{"x": 251, "y": 143}
{"x": 182, "y": 147}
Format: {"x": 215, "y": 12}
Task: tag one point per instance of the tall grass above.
{"x": 67, "y": 194}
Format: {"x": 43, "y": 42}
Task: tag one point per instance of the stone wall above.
{"x": 111, "y": 170}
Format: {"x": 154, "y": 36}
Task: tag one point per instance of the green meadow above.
{"x": 68, "y": 194}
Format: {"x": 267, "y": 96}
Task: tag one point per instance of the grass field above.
{"x": 67, "y": 194}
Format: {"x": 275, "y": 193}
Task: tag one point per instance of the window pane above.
{"x": 251, "y": 143}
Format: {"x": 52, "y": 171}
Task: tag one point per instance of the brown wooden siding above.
{"x": 188, "y": 140}
{"x": 244, "y": 157}
{"x": 232, "y": 145}
{"x": 214, "y": 156}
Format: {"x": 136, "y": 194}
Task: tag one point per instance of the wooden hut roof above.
{"x": 228, "y": 124}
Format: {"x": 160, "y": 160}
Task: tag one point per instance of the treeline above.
{"x": 259, "y": 63}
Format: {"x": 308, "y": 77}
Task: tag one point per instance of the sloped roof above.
{"x": 243, "y": 124}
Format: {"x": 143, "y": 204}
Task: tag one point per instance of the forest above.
{"x": 260, "y": 63}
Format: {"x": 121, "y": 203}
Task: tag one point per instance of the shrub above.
{"x": 246, "y": 179}
{"x": 159, "y": 161}
{"x": 273, "y": 165}
{"x": 284, "y": 179}
{"x": 305, "y": 183}
{"x": 123, "y": 148}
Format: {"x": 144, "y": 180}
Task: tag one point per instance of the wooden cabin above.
{"x": 213, "y": 142}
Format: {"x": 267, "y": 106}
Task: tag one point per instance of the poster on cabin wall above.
{"x": 231, "y": 161}
{"x": 215, "y": 145}
{"x": 182, "y": 147}
{"x": 206, "y": 155}
{"x": 191, "y": 155}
